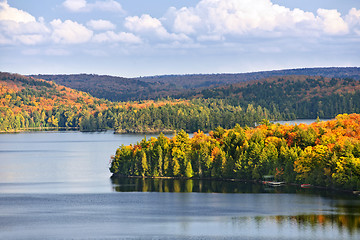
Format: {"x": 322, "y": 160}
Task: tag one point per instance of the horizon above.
{"x": 184, "y": 74}
{"x": 140, "y": 38}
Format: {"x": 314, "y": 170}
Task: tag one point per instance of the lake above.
{"x": 300, "y": 121}
{"x": 56, "y": 185}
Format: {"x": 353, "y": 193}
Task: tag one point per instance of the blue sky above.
{"x": 140, "y": 37}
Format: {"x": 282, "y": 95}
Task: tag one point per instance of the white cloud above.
{"x": 111, "y": 36}
{"x": 14, "y": 28}
{"x": 353, "y": 17}
{"x": 84, "y": 6}
{"x": 219, "y": 18}
{"x": 234, "y": 17}
{"x": 152, "y": 28}
{"x": 184, "y": 20}
{"x": 75, "y": 5}
{"x": 331, "y": 22}
{"x": 69, "y": 32}
{"x": 145, "y": 23}
{"x": 100, "y": 25}
{"x": 29, "y": 39}
{"x": 108, "y": 5}
{"x": 12, "y": 14}
{"x": 353, "y": 20}
{"x": 18, "y": 26}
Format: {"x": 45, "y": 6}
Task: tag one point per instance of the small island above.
{"x": 322, "y": 154}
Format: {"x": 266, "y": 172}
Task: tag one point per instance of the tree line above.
{"x": 163, "y": 115}
{"x": 323, "y": 154}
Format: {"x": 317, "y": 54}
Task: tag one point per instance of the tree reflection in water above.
{"x": 138, "y": 184}
{"x": 344, "y": 210}
{"x": 351, "y": 223}
{"x": 182, "y": 185}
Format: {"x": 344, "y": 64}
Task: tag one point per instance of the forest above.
{"x": 323, "y": 154}
{"x": 300, "y": 96}
{"x": 154, "y": 87}
{"x": 27, "y": 103}
{"x": 32, "y": 104}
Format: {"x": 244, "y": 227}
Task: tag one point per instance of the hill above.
{"x": 301, "y": 96}
{"x": 111, "y": 87}
{"x": 126, "y": 89}
{"x": 191, "y": 81}
{"x": 30, "y": 103}
{"x": 282, "y": 97}
{"x": 27, "y": 103}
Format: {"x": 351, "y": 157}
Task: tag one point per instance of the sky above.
{"x": 132, "y": 38}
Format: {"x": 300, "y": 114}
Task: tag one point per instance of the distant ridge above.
{"x": 102, "y": 86}
{"x": 229, "y": 78}
{"x": 151, "y": 87}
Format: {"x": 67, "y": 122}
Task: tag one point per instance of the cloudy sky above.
{"x": 142, "y": 37}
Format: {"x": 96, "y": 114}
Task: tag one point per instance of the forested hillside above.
{"x": 29, "y": 103}
{"x": 323, "y": 153}
{"x": 301, "y": 96}
{"x": 206, "y": 80}
{"x": 128, "y": 89}
{"x": 110, "y": 87}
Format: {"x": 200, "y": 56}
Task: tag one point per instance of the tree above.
{"x": 218, "y": 168}
{"x": 144, "y": 164}
{"x": 188, "y": 171}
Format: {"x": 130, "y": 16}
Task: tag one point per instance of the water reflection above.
{"x": 181, "y": 185}
{"x": 134, "y": 184}
{"x": 287, "y": 207}
{"x": 350, "y": 223}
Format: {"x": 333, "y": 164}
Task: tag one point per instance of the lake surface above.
{"x": 300, "y": 121}
{"x": 56, "y": 185}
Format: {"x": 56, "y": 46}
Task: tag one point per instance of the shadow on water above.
{"x": 131, "y": 184}
{"x": 345, "y": 213}
{"x": 183, "y": 186}
{"x": 350, "y": 223}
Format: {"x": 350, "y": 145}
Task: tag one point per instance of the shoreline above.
{"x": 41, "y": 129}
{"x": 356, "y": 193}
{"x": 48, "y": 129}
{"x": 150, "y": 131}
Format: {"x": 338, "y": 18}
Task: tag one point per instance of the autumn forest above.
{"x": 323, "y": 154}
{"x": 234, "y": 134}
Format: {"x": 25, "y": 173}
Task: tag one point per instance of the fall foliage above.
{"x": 27, "y": 103}
{"x": 153, "y": 87}
{"x": 323, "y": 153}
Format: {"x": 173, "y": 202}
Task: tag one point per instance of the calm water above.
{"x": 299, "y": 121}
{"x": 56, "y": 185}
